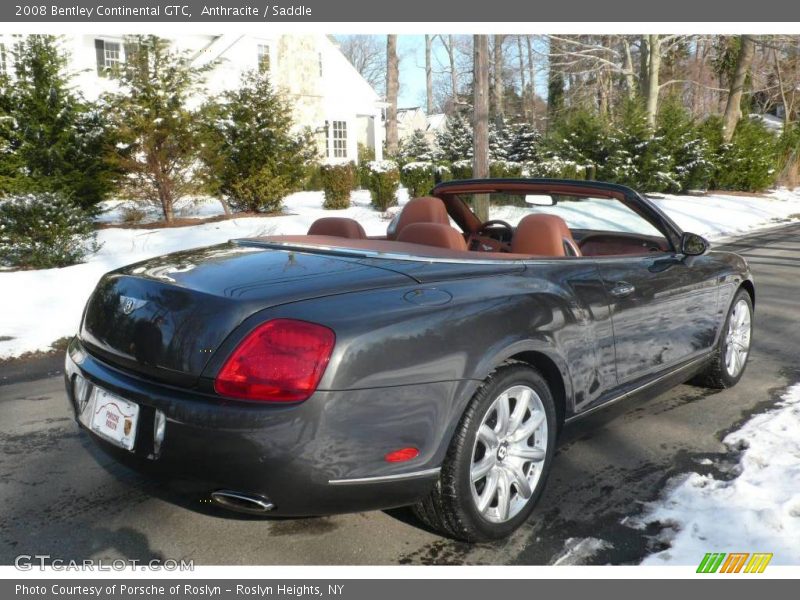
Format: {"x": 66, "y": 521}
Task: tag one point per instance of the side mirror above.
{"x": 693, "y": 244}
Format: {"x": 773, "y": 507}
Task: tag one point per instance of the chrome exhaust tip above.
{"x": 242, "y": 502}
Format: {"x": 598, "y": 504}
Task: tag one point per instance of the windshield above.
{"x": 579, "y": 212}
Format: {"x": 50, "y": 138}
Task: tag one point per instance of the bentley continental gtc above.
{"x": 432, "y": 367}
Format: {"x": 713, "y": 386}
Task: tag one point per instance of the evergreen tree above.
{"x": 250, "y": 154}
{"x": 454, "y": 142}
{"x": 526, "y": 144}
{"x": 499, "y": 141}
{"x": 51, "y": 140}
{"x": 158, "y": 133}
{"x": 416, "y": 148}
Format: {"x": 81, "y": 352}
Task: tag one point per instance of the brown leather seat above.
{"x": 338, "y": 227}
{"x": 433, "y": 234}
{"x": 544, "y": 235}
{"x": 426, "y": 209}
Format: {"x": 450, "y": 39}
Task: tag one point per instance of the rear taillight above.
{"x": 279, "y": 361}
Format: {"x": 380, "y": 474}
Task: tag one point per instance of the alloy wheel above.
{"x": 509, "y": 453}
{"x": 737, "y": 340}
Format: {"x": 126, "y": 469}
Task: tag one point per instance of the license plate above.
{"x": 114, "y": 418}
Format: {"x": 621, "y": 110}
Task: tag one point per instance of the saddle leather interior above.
{"x": 338, "y": 227}
{"x": 425, "y": 209}
{"x": 544, "y": 235}
{"x": 433, "y": 234}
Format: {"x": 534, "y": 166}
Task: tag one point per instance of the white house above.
{"x": 325, "y": 91}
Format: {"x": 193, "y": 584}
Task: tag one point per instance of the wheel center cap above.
{"x": 502, "y": 452}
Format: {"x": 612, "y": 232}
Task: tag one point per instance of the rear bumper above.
{"x": 322, "y": 456}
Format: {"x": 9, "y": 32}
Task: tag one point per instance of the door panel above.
{"x": 663, "y": 310}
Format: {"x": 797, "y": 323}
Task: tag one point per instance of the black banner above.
{"x": 339, "y": 11}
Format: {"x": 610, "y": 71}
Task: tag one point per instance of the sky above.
{"x": 411, "y": 49}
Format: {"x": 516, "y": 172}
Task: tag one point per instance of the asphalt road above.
{"x": 60, "y": 496}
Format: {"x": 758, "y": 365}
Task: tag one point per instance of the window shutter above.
{"x": 99, "y": 50}
{"x": 129, "y": 49}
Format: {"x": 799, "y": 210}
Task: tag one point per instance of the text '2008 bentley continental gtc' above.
{"x": 434, "y": 366}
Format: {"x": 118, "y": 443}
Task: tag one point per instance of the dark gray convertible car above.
{"x": 433, "y": 366}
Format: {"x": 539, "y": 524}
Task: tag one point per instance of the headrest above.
{"x": 542, "y": 235}
{"x": 433, "y": 234}
{"x": 338, "y": 227}
{"x": 426, "y": 209}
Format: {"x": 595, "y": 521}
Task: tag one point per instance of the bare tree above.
{"x": 428, "y": 74}
{"x": 653, "y": 78}
{"x": 498, "y": 80}
{"x": 366, "y": 54}
{"x": 733, "y": 108}
{"x": 392, "y": 89}
{"x": 480, "y": 154}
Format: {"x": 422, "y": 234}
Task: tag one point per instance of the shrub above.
{"x": 251, "y": 155}
{"x": 262, "y": 190}
{"x": 383, "y": 183}
{"x": 504, "y": 168}
{"x": 418, "y": 177}
{"x": 337, "y": 183}
{"x": 44, "y": 230}
{"x": 461, "y": 169}
{"x": 442, "y": 173}
{"x": 749, "y": 161}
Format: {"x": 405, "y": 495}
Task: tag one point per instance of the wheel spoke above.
{"x": 520, "y": 481}
{"x": 489, "y": 438}
{"x": 503, "y": 494}
{"x": 520, "y": 408}
{"x": 528, "y": 427}
{"x": 502, "y": 410}
{"x": 489, "y": 490}
{"x": 526, "y": 452}
{"x": 481, "y": 468}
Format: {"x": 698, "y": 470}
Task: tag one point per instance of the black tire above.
{"x": 716, "y": 375}
{"x": 450, "y": 508}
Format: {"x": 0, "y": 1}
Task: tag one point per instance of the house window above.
{"x": 319, "y": 57}
{"x": 264, "y": 61}
{"x": 338, "y": 133}
{"x": 3, "y": 60}
{"x": 109, "y": 56}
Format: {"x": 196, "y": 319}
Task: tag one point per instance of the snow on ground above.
{"x": 577, "y": 551}
{"x": 721, "y": 215}
{"x": 757, "y": 511}
{"x": 39, "y": 307}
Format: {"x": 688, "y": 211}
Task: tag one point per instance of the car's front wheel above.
{"x": 733, "y": 349}
{"x": 498, "y": 460}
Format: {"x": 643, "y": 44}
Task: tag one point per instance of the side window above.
{"x": 264, "y": 58}
{"x": 337, "y": 139}
{"x": 109, "y": 56}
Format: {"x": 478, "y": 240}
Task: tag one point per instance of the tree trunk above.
{"x": 733, "y": 108}
{"x": 499, "y": 111}
{"x": 644, "y": 61}
{"x": 532, "y": 79}
{"x": 451, "y": 55}
{"x": 480, "y": 153}
{"x": 523, "y": 92}
{"x": 428, "y": 75}
{"x": 653, "y": 69}
{"x": 392, "y": 89}
{"x": 630, "y": 79}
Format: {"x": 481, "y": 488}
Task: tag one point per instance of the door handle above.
{"x": 622, "y": 289}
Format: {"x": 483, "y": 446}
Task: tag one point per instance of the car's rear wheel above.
{"x": 498, "y": 460}
{"x": 733, "y": 349}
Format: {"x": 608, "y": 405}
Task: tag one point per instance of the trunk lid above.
{"x": 165, "y": 317}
